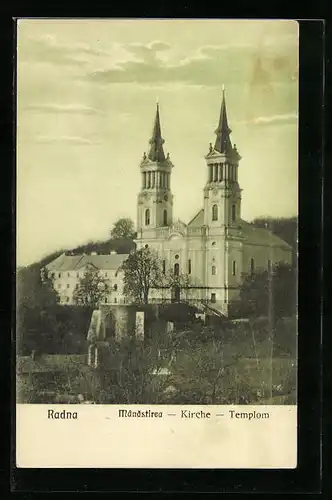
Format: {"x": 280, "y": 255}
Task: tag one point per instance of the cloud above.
{"x": 288, "y": 118}
{"x": 49, "y": 49}
{"x": 81, "y": 109}
{"x": 208, "y": 65}
{"x": 47, "y": 139}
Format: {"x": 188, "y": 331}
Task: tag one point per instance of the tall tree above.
{"x": 142, "y": 271}
{"x": 91, "y": 289}
{"x": 123, "y": 229}
{"x": 270, "y": 294}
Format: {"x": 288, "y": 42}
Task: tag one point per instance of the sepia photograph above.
{"x": 157, "y": 213}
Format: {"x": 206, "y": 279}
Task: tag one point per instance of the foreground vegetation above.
{"x": 246, "y": 363}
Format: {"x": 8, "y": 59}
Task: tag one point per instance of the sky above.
{"x": 86, "y": 101}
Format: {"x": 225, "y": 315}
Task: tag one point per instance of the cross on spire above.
{"x": 156, "y": 152}
{"x": 223, "y": 142}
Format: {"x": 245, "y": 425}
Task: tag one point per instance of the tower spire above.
{"x": 156, "y": 152}
{"x": 223, "y": 142}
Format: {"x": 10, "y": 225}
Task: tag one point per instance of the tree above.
{"x": 90, "y": 289}
{"x": 208, "y": 373}
{"x": 270, "y": 294}
{"x": 180, "y": 280}
{"x": 142, "y": 271}
{"x": 123, "y": 229}
{"x": 137, "y": 379}
{"x": 36, "y": 296}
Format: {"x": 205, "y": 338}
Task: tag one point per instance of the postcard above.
{"x": 157, "y": 236}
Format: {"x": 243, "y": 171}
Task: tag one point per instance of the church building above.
{"x": 216, "y": 247}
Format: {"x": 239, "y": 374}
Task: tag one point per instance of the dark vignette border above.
{"x": 307, "y": 476}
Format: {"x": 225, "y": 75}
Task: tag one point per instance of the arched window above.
{"x": 252, "y": 266}
{"x": 165, "y": 217}
{"x": 176, "y": 269}
{"x": 164, "y": 266}
{"x": 115, "y": 287}
{"x": 234, "y": 267}
{"x": 233, "y": 213}
{"x": 214, "y": 270}
{"x": 147, "y": 217}
{"x": 215, "y": 212}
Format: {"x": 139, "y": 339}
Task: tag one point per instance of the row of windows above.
{"x": 59, "y": 285}
{"x": 67, "y": 299}
{"x": 148, "y": 217}
{"x": 215, "y": 214}
{"x": 214, "y": 268}
{"x": 78, "y": 274}
{"x": 176, "y": 267}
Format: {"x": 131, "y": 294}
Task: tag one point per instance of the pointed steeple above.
{"x": 223, "y": 142}
{"x": 156, "y": 152}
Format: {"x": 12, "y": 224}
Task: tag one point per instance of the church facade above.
{"x": 216, "y": 248}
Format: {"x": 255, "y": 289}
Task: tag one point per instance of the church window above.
{"x": 176, "y": 256}
{"x": 115, "y": 300}
{"x": 165, "y": 217}
{"x": 215, "y": 212}
{"x": 189, "y": 266}
{"x": 68, "y": 285}
{"x": 234, "y": 268}
{"x": 252, "y": 266}
{"x": 233, "y": 213}
{"x": 147, "y": 217}
{"x": 59, "y": 275}
{"x": 164, "y": 266}
{"x": 213, "y": 298}
{"x": 105, "y": 300}
{"x": 77, "y": 275}
{"x": 68, "y": 274}
{"x": 115, "y": 287}
{"x": 67, "y": 299}
{"x": 214, "y": 270}
{"x": 269, "y": 265}
{"x": 176, "y": 269}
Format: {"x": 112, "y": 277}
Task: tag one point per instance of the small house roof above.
{"x": 75, "y": 262}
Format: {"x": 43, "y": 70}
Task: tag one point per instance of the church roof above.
{"x": 156, "y": 152}
{"x": 250, "y": 234}
{"x": 261, "y": 236}
{"x": 198, "y": 220}
{"x": 74, "y": 262}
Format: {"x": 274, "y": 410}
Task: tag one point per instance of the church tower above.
{"x": 155, "y": 200}
{"x": 222, "y": 193}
